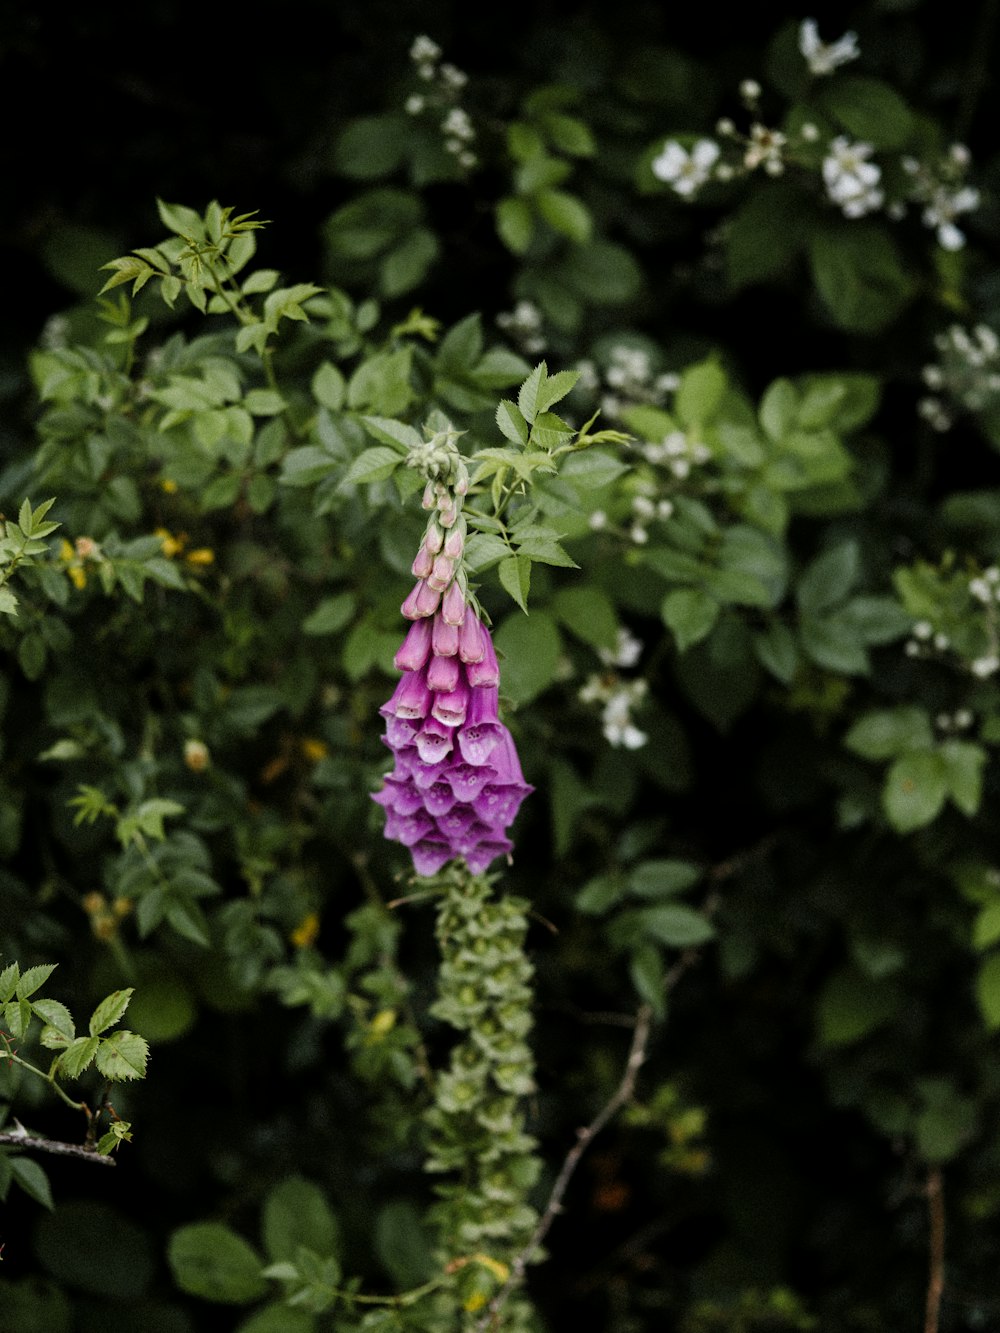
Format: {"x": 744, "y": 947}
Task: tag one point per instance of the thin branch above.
{"x": 20, "y": 1138}
{"x": 621, "y": 1096}
{"x": 935, "y": 1277}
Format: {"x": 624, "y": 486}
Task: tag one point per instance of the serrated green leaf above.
{"x": 527, "y": 398}
{"x": 110, "y": 1011}
{"x": 511, "y": 423}
{"x": 60, "y": 1028}
{"x": 375, "y": 464}
{"x": 78, "y": 1056}
{"x": 32, "y": 1179}
{"x": 33, "y": 979}
{"x": 515, "y": 578}
{"x": 123, "y": 1056}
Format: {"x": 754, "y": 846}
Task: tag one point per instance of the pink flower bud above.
{"x": 424, "y": 562}
{"x": 444, "y": 638}
{"x": 433, "y": 537}
{"x": 413, "y": 651}
{"x": 429, "y": 498}
{"x": 471, "y": 639}
{"x": 442, "y": 572}
{"x": 427, "y": 599}
{"x": 486, "y": 671}
{"x": 455, "y": 541}
{"x": 453, "y": 606}
{"x": 444, "y": 673}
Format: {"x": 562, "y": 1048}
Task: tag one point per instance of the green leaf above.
{"x": 32, "y": 1179}
{"x": 869, "y": 109}
{"x": 777, "y": 650}
{"x": 375, "y": 464}
{"x": 860, "y": 275}
{"x": 296, "y": 1213}
{"x": 676, "y": 925}
{"x": 964, "y": 762}
{"x": 700, "y": 393}
{"x": 663, "y": 878}
{"x": 123, "y": 1056}
{"x": 511, "y": 423}
{"x": 528, "y": 396}
{"x": 648, "y": 975}
{"x": 946, "y": 1123}
{"x": 690, "y": 614}
{"x": 211, "y": 1261}
{"x": 515, "y": 223}
{"x": 331, "y": 615}
{"x": 59, "y": 1028}
{"x": 530, "y": 647}
{"x": 599, "y": 894}
{"x": 329, "y": 386}
{"x": 78, "y": 1056}
{"x": 565, "y": 213}
{"x": 110, "y": 1011}
{"x": 587, "y": 613}
{"x": 916, "y": 788}
{"x": 829, "y": 578}
{"x": 887, "y": 732}
{"x": 33, "y": 979}
{"x": 515, "y": 577}
{"x": 852, "y": 1005}
{"x": 986, "y": 928}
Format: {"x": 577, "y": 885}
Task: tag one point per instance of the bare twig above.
{"x": 935, "y": 1277}
{"x": 20, "y": 1138}
{"x": 621, "y": 1096}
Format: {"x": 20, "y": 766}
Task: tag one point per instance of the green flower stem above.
{"x": 12, "y": 1057}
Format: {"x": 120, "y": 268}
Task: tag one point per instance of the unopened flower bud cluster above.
{"x": 439, "y": 98}
{"x": 967, "y": 375}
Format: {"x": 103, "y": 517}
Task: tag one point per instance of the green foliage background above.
{"x": 797, "y": 871}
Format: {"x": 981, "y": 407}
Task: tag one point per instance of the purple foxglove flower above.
{"x": 429, "y": 855}
{"x": 444, "y": 673}
{"x": 468, "y": 780}
{"x": 439, "y": 799}
{"x": 451, "y": 708}
{"x": 434, "y": 741}
{"x": 424, "y": 562}
{"x": 471, "y": 639}
{"x": 411, "y": 697}
{"x": 456, "y": 824}
{"x": 427, "y": 598}
{"x": 425, "y": 775}
{"x": 429, "y": 499}
{"x": 497, "y": 805}
{"x": 486, "y": 671}
{"x": 400, "y": 731}
{"x": 481, "y": 733}
{"x": 400, "y": 795}
{"x": 407, "y": 829}
{"x": 479, "y": 857}
{"x": 412, "y": 652}
{"x": 444, "y": 640}
{"x": 453, "y": 606}
{"x": 447, "y": 512}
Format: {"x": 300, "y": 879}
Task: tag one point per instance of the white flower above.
{"x": 685, "y": 172}
{"x": 981, "y": 590}
{"x": 597, "y": 520}
{"x": 616, "y": 721}
{"x": 944, "y": 206}
{"x": 824, "y": 57}
{"x": 985, "y": 666}
{"x": 851, "y": 180}
{"x": 765, "y": 149}
{"x": 749, "y": 90}
{"x": 457, "y": 124}
{"x": 414, "y": 104}
{"x": 626, "y": 652}
{"x": 424, "y": 49}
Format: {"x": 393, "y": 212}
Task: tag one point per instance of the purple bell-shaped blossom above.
{"x": 456, "y": 782}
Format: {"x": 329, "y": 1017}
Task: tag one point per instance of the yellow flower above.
{"x": 313, "y": 749}
{"x": 204, "y": 555}
{"x": 196, "y": 755}
{"x": 169, "y": 486}
{"x": 306, "y": 931}
{"x": 77, "y": 576}
{"x": 171, "y": 545}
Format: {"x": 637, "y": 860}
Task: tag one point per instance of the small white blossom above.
{"x": 626, "y": 652}
{"x": 749, "y": 90}
{"x": 638, "y": 534}
{"x": 824, "y": 57}
{"x": 764, "y": 149}
{"x": 457, "y": 124}
{"x": 981, "y": 590}
{"x": 414, "y": 104}
{"x": 664, "y": 509}
{"x": 685, "y": 172}
{"x": 454, "y": 78}
{"x": 963, "y": 719}
{"x": 597, "y": 520}
{"x": 643, "y": 507}
{"x": 941, "y": 642}
{"x": 851, "y": 179}
{"x": 616, "y": 720}
{"x": 809, "y": 131}
{"x": 923, "y": 629}
{"x": 985, "y": 666}
{"x": 942, "y": 210}
{"x": 424, "y": 50}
